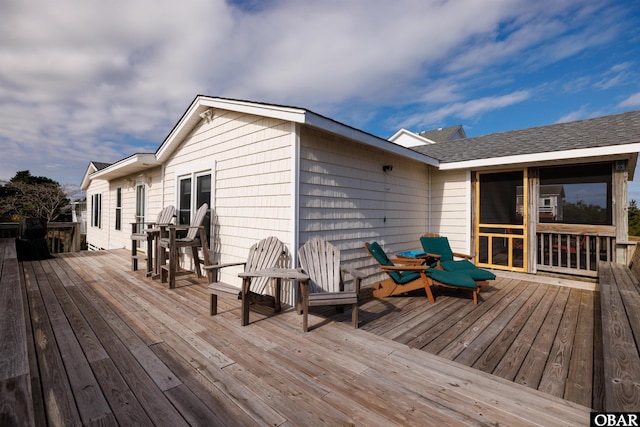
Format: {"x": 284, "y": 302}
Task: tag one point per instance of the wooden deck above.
{"x": 112, "y": 347}
{"x": 538, "y": 335}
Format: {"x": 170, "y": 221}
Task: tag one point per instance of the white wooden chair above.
{"x": 321, "y": 261}
{"x": 194, "y": 239}
{"x": 148, "y": 232}
{"x": 263, "y": 254}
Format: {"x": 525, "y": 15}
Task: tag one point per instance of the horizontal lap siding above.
{"x": 99, "y": 237}
{"x": 252, "y": 182}
{"x": 346, "y": 198}
{"x": 122, "y": 238}
{"x": 450, "y": 208}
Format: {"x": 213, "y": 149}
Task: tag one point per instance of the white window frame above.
{"x": 193, "y": 171}
{"x": 117, "y": 225}
{"x": 96, "y": 210}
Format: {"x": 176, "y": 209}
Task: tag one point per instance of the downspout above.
{"x": 468, "y": 209}
{"x": 162, "y": 173}
{"x": 295, "y": 192}
{"x": 429, "y": 210}
{"x": 295, "y": 203}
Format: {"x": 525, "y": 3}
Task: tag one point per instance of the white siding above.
{"x": 251, "y": 187}
{"x": 346, "y": 198}
{"x": 451, "y": 208}
{"x": 107, "y": 237}
{"x": 153, "y": 203}
{"x": 98, "y": 237}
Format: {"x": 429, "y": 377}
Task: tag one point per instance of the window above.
{"x": 119, "y": 208}
{"x": 193, "y": 191}
{"x": 96, "y": 208}
{"x": 184, "y": 201}
{"x": 203, "y": 195}
{"x": 576, "y": 194}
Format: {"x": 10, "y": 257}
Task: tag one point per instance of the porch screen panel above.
{"x": 576, "y": 194}
{"x": 501, "y": 220}
{"x": 499, "y": 198}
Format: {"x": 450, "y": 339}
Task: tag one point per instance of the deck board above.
{"x": 536, "y": 334}
{"x": 160, "y": 359}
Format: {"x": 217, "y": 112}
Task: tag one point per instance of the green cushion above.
{"x": 439, "y": 246}
{"x": 452, "y": 279}
{"x": 378, "y": 254}
{"x": 404, "y": 277}
{"x": 466, "y": 267}
{"x": 400, "y": 277}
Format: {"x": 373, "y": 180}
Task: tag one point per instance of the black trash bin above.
{"x": 31, "y": 243}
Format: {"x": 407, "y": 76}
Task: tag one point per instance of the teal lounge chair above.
{"x": 439, "y": 248}
{"x": 409, "y": 277}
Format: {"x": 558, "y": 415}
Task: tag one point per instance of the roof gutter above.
{"x": 132, "y": 164}
{"x": 626, "y": 149}
{"x": 321, "y": 122}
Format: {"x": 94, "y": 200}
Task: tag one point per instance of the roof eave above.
{"x": 129, "y": 166}
{"x": 337, "y": 128}
{"x": 607, "y": 151}
{"x": 86, "y": 179}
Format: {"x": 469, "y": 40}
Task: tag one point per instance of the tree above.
{"x": 33, "y": 196}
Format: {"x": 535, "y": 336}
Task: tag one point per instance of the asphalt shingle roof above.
{"x": 604, "y": 131}
{"x": 100, "y": 165}
{"x": 442, "y": 134}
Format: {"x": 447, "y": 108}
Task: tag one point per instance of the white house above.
{"x": 288, "y": 172}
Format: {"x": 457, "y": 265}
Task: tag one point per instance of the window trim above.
{"x": 96, "y": 210}
{"x": 118, "y": 209}
{"x": 193, "y": 171}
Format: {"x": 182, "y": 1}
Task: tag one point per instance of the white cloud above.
{"x": 581, "y": 113}
{"x": 465, "y": 110}
{"x": 632, "y": 101}
{"x": 82, "y": 78}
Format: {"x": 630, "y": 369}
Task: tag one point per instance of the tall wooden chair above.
{"x": 194, "y": 239}
{"x": 148, "y": 232}
{"x": 321, "y": 261}
{"x": 263, "y": 254}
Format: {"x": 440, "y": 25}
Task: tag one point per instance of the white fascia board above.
{"x": 366, "y": 138}
{"x": 402, "y": 132}
{"x": 542, "y": 157}
{"x": 132, "y": 164}
{"x": 86, "y": 179}
{"x": 413, "y": 139}
{"x": 290, "y": 114}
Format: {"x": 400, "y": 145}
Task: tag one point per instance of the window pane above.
{"x": 203, "y": 195}
{"x": 184, "y": 201}
{"x": 118, "y": 208}
{"x": 204, "y": 190}
{"x": 576, "y": 194}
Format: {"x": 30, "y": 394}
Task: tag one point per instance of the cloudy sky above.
{"x": 85, "y": 80}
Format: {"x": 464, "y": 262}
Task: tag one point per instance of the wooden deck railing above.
{"x": 574, "y": 249}
{"x": 61, "y": 236}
